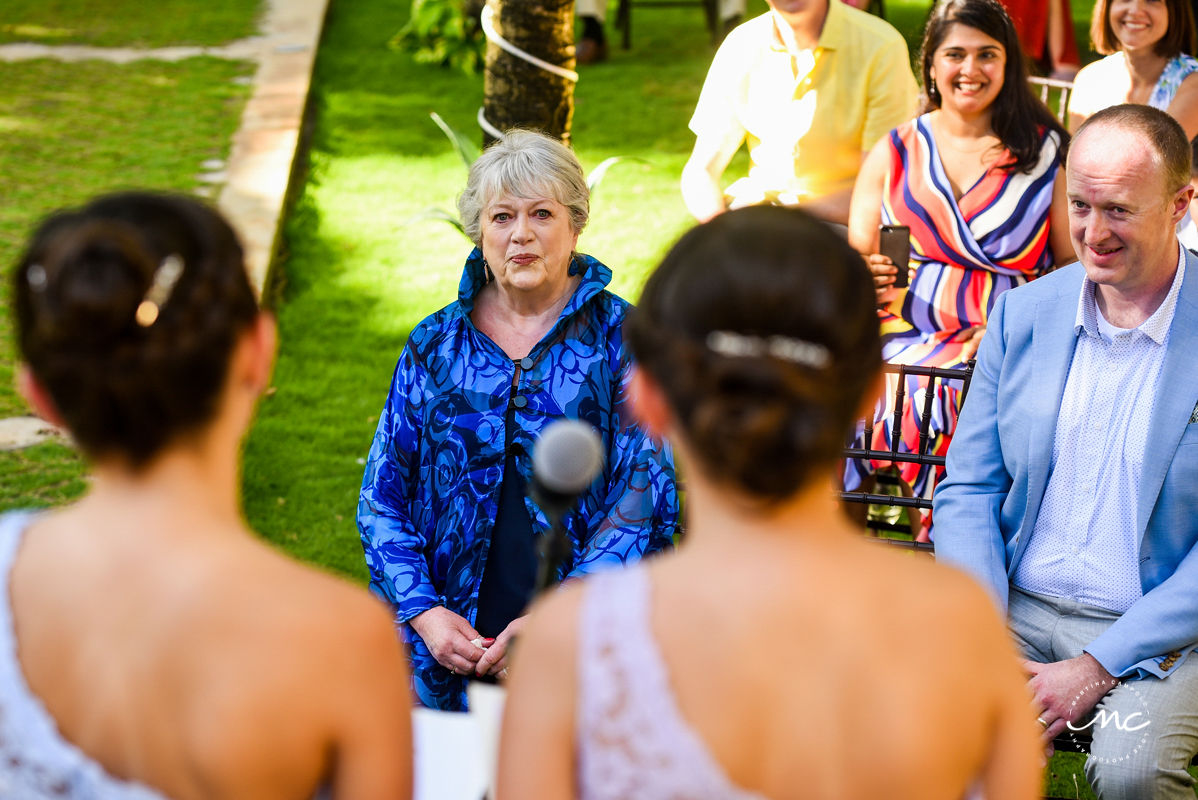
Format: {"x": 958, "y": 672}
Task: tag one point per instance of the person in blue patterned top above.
{"x": 446, "y": 524}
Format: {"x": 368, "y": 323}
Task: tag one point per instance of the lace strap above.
{"x": 12, "y": 531}
{"x": 632, "y": 741}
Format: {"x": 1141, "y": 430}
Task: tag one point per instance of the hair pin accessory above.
{"x": 36, "y": 275}
{"x": 796, "y": 351}
{"x": 161, "y": 286}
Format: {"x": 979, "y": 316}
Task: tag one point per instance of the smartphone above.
{"x": 894, "y": 242}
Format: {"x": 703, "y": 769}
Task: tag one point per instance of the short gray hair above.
{"x": 524, "y": 164}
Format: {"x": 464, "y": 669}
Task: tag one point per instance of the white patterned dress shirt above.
{"x": 1085, "y": 544}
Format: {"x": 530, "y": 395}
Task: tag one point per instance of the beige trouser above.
{"x": 1146, "y": 729}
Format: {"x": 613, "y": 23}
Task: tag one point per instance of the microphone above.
{"x": 567, "y": 458}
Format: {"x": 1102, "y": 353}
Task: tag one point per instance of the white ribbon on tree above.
{"x": 488, "y": 24}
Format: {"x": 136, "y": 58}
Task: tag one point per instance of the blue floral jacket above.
{"x": 431, "y": 489}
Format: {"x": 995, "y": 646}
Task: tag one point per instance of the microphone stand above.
{"x": 552, "y": 550}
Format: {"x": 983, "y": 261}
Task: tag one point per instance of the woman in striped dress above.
{"x": 978, "y": 180}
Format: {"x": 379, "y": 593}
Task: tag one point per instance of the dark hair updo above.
{"x": 128, "y": 366}
{"x": 761, "y": 328}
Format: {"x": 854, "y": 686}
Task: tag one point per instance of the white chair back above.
{"x": 1046, "y": 86}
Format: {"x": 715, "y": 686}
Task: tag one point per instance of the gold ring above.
{"x": 1043, "y": 724}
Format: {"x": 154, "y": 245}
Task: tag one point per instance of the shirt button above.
{"x": 1077, "y": 551}
{"x": 519, "y": 401}
{"x": 526, "y": 363}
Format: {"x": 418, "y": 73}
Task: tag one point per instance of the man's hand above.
{"x": 494, "y": 661}
{"x": 448, "y": 637}
{"x": 1065, "y": 691}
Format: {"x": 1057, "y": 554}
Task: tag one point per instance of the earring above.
{"x": 487, "y": 273}
{"x": 932, "y": 86}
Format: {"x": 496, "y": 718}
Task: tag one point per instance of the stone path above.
{"x": 254, "y": 181}
{"x": 18, "y": 432}
{"x": 243, "y": 49}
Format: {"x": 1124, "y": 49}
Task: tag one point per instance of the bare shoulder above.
{"x": 271, "y": 636}
{"x": 552, "y": 630}
{"x": 940, "y": 597}
{"x": 272, "y": 670}
{"x": 321, "y": 616}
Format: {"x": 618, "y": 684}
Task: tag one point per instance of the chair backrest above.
{"x": 1045, "y": 87}
{"x": 894, "y": 453}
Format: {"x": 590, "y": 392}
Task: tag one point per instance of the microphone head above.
{"x": 568, "y": 457}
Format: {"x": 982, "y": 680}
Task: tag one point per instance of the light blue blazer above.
{"x": 1001, "y": 453}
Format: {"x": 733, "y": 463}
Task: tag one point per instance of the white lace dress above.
{"x": 632, "y": 741}
{"x": 35, "y": 761}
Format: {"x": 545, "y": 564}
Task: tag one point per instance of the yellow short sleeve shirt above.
{"x": 808, "y": 118}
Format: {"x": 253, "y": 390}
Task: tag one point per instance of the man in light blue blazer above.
{"x": 1072, "y": 480}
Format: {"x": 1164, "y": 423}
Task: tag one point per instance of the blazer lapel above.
{"x": 1176, "y": 394}
{"x": 1053, "y": 341}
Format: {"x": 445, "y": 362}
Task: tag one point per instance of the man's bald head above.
{"x": 1158, "y": 132}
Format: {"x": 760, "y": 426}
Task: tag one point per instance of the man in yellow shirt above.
{"x": 811, "y": 84}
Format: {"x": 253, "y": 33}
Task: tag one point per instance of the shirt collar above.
{"x": 831, "y": 36}
{"x": 1156, "y": 327}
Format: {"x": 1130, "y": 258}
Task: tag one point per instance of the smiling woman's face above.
{"x": 1139, "y": 24}
{"x": 968, "y": 68}
{"x": 527, "y": 242}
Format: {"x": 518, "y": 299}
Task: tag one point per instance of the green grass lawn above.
{"x": 70, "y": 131}
{"x": 359, "y": 274}
{"x": 127, "y": 23}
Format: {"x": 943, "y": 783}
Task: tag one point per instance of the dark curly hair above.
{"x": 126, "y": 387}
{"x": 1018, "y": 115}
{"x": 780, "y": 286}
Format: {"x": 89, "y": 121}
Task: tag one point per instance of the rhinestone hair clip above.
{"x": 161, "y": 286}
{"x": 796, "y": 351}
{"x": 36, "y": 275}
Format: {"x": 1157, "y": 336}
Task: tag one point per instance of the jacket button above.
{"x": 526, "y": 363}
{"x": 519, "y": 401}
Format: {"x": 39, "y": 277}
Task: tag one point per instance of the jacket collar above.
{"x": 1176, "y": 395}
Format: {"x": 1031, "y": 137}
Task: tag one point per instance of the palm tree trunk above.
{"x": 518, "y": 93}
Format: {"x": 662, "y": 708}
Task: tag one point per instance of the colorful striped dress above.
{"x": 965, "y": 253}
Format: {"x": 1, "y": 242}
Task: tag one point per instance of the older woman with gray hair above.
{"x": 448, "y": 527}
